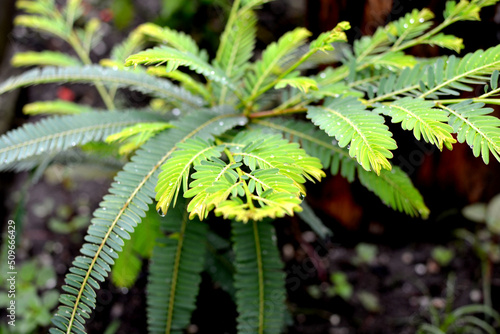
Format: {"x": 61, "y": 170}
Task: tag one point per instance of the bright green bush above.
{"x": 238, "y": 139}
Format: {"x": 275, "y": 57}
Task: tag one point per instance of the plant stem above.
{"x": 75, "y": 43}
{"x": 248, "y": 194}
{"x": 486, "y": 269}
{"x": 474, "y": 99}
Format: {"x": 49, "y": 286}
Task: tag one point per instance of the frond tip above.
{"x": 263, "y": 177}
{"x": 473, "y": 125}
{"x": 351, "y": 124}
{"x": 420, "y": 116}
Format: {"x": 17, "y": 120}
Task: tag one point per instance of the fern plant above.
{"x": 234, "y": 138}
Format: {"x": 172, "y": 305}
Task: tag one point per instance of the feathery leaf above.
{"x": 264, "y": 71}
{"x": 175, "y": 58}
{"x": 259, "y": 280}
{"x": 175, "y": 270}
{"x": 420, "y": 116}
{"x": 134, "y": 80}
{"x": 62, "y": 132}
{"x": 121, "y": 211}
{"x": 391, "y": 188}
{"x": 350, "y": 123}
{"x": 396, "y": 190}
{"x": 473, "y": 125}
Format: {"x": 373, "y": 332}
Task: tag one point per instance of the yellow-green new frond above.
{"x": 59, "y": 107}
{"x": 465, "y": 10}
{"x": 446, "y": 41}
{"x": 175, "y": 58}
{"x": 351, "y": 124}
{"x": 54, "y": 26}
{"x": 175, "y": 39}
{"x": 324, "y": 41}
{"x": 304, "y": 84}
{"x": 176, "y": 170}
{"x": 214, "y": 181}
{"x": 411, "y": 25}
{"x": 420, "y": 116}
{"x": 135, "y": 136}
{"x": 41, "y": 7}
{"x": 273, "y": 151}
{"x": 131, "y": 44}
{"x": 474, "y": 126}
{"x": 184, "y": 79}
{"x": 234, "y": 54}
{"x": 263, "y": 179}
{"x": 268, "y": 68}
{"x": 44, "y": 58}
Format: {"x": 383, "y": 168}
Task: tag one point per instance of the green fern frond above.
{"x": 73, "y": 11}
{"x": 136, "y": 135}
{"x": 259, "y": 280}
{"x": 60, "y": 107}
{"x": 175, "y": 58}
{"x": 412, "y": 25}
{"x": 54, "y": 25}
{"x": 393, "y": 85}
{"x": 264, "y": 71}
{"x": 275, "y": 152}
{"x": 176, "y": 39}
{"x": 304, "y": 84}
{"x": 350, "y": 123}
{"x": 213, "y": 182}
{"x": 60, "y": 133}
{"x": 175, "y": 269}
{"x": 128, "y": 266}
{"x": 395, "y": 60}
{"x": 474, "y": 126}
{"x": 396, "y": 190}
{"x": 175, "y": 172}
{"x": 392, "y": 188}
{"x": 450, "y": 76}
{"x": 219, "y": 263}
{"x": 446, "y": 41}
{"x": 186, "y": 80}
{"x": 134, "y": 80}
{"x": 121, "y": 211}
{"x": 371, "y": 45}
{"x": 41, "y": 7}
{"x": 130, "y": 45}
{"x": 420, "y": 116}
{"x": 44, "y": 58}
{"x": 444, "y": 76}
{"x": 237, "y": 45}
{"x": 271, "y": 187}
